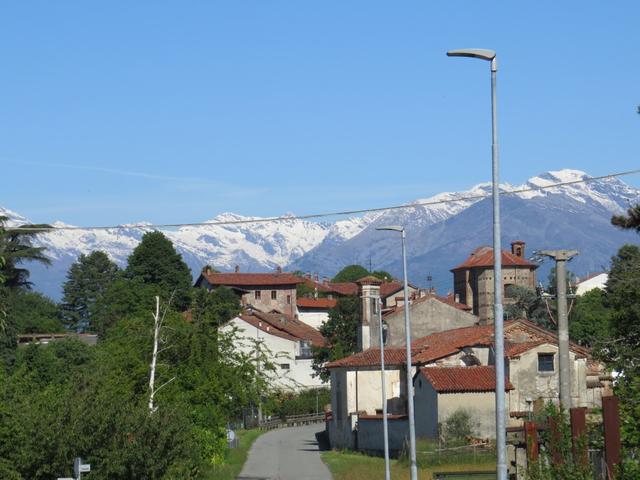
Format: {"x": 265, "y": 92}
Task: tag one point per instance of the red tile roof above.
{"x": 320, "y": 303}
{"x": 389, "y": 288}
{"x": 442, "y": 344}
{"x": 513, "y": 350}
{"x": 483, "y": 257}
{"x": 462, "y": 379}
{"x": 283, "y": 326}
{"x": 371, "y": 358}
{"x": 251, "y": 279}
{"x": 520, "y": 335}
{"x": 343, "y": 288}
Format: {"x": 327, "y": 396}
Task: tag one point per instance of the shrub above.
{"x": 458, "y": 426}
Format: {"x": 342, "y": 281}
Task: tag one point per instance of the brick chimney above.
{"x": 517, "y": 248}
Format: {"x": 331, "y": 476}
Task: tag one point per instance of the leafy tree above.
{"x": 622, "y": 350}
{"x": 32, "y": 312}
{"x": 124, "y": 298}
{"x": 285, "y": 402}
{"x": 87, "y": 282}
{"x": 340, "y": 332}
{"x": 350, "y": 273}
{"x": 15, "y": 249}
{"x": 214, "y": 309}
{"x": 629, "y": 222}
{"x": 382, "y": 275}
{"x": 522, "y": 302}
{"x": 66, "y": 399}
{"x": 155, "y": 261}
{"x": 590, "y": 318}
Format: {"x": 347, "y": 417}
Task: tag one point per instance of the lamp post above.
{"x": 385, "y": 428}
{"x": 407, "y": 328}
{"x": 498, "y": 321}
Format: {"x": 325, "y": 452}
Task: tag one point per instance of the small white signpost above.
{"x": 79, "y": 468}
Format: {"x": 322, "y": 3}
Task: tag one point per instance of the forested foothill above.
{"x": 68, "y": 399}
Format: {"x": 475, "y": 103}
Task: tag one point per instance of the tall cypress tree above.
{"x": 155, "y": 262}
{"x": 87, "y": 282}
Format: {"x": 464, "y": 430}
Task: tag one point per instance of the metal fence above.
{"x": 292, "y": 421}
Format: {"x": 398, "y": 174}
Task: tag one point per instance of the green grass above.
{"x": 429, "y": 456}
{"x": 236, "y": 458}
{"x": 356, "y": 466}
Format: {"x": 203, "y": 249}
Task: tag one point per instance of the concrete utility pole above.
{"x": 564, "y": 365}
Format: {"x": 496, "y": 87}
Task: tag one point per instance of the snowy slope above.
{"x": 440, "y": 233}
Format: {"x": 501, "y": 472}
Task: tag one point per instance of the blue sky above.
{"x": 115, "y": 112}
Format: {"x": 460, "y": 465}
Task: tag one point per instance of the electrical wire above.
{"x": 313, "y": 216}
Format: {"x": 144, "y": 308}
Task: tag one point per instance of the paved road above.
{"x": 286, "y": 454}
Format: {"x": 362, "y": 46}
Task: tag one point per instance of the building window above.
{"x": 284, "y": 366}
{"x": 288, "y": 299}
{"x": 256, "y": 294}
{"x": 545, "y": 362}
{"x": 305, "y": 349}
{"x": 274, "y": 295}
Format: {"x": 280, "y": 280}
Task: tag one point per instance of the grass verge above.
{"x": 356, "y": 466}
{"x": 236, "y": 458}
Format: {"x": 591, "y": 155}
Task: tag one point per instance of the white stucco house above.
{"x": 314, "y": 311}
{"x": 287, "y": 341}
{"x": 597, "y": 280}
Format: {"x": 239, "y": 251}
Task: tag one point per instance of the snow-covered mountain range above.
{"x": 439, "y": 234}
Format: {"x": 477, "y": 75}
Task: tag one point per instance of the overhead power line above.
{"x": 313, "y": 216}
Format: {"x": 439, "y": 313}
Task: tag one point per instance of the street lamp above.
{"x": 407, "y": 328}
{"x": 498, "y": 321}
{"x": 385, "y": 427}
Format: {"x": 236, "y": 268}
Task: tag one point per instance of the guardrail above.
{"x": 292, "y": 421}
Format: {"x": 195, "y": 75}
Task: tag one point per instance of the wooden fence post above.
{"x": 531, "y": 440}
{"x": 579, "y": 439}
{"x": 611, "y": 419}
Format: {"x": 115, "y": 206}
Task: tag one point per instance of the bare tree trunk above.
{"x": 154, "y": 357}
